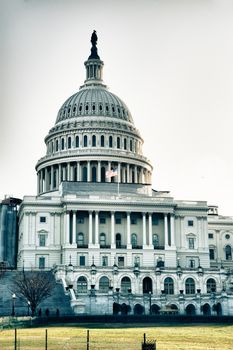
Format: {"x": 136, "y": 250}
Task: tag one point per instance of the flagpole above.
{"x": 118, "y": 185}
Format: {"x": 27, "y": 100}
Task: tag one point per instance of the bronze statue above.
{"x": 94, "y": 38}
{"x": 94, "y": 52}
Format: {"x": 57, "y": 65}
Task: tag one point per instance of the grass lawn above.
{"x": 201, "y": 337}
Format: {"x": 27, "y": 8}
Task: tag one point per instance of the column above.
{"x": 59, "y": 175}
{"x": 90, "y": 227}
{"x": 67, "y": 233}
{"x": 109, "y": 168}
{"x": 113, "y": 244}
{"x": 128, "y": 231}
{"x": 135, "y": 174}
{"x": 98, "y": 172}
{"x": 128, "y": 173}
{"x": 172, "y": 229}
{"x": 74, "y": 228}
{"x": 119, "y": 172}
{"x": 52, "y": 229}
{"x": 123, "y": 174}
{"x": 26, "y": 228}
{"x": 78, "y": 171}
{"x": 88, "y": 171}
{"x": 52, "y": 177}
{"x": 41, "y": 180}
{"x": 165, "y": 230}
{"x": 68, "y": 172}
{"x": 144, "y": 228}
{"x": 46, "y": 179}
{"x": 96, "y": 227}
{"x": 182, "y": 232}
{"x": 150, "y": 229}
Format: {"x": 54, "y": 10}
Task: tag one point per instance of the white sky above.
{"x": 171, "y": 61}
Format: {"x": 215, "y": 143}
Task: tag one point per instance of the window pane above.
{"x": 82, "y": 260}
{"x": 42, "y": 240}
{"x": 41, "y": 262}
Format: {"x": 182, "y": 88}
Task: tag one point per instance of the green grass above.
{"x": 189, "y": 337}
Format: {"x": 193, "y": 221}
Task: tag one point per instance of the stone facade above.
{"x": 117, "y": 245}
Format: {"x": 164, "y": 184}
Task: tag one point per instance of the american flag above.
{"x": 111, "y": 173}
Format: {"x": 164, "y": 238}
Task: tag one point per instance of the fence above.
{"x": 87, "y": 341}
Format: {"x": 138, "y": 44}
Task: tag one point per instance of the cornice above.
{"x": 95, "y": 153}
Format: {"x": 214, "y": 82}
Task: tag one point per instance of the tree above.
{"x": 34, "y": 286}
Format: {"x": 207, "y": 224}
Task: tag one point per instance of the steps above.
{"x": 58, "y": 300}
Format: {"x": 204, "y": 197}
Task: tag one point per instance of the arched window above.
{"x": 131, "y": 145}
{"x": 102, "y": 239}
{"x": 118, "y": 142}
{"x": 125, "y": 143}
{"x": 80, "y": 239}
{"x": 82, "y": 285}
{"x": 110, "y": 141}
{"x": 93, "y": 174}
{"x": 84, "y": 177}
{"x": 93, "y": 141}
{"x": 102, "y": 141}
{"x": 211, "y": 285}
{"x": 118, "y": 240}
{"x": 228, "y": 252}
{"x": 134, "y": 240}
{"x": 169, "y": 285}
{"x": 125, "y": 285}
{"x": 190, "y": 286}
{"x": 69, "y": 142}
{"x": 77, "y": 141}
{"x": 62, "y": 144}
{"x": 85, "y": 141}
{"x": 104, "y": 284}
{"x": 147, "y": 285}
{"x": 155, "y": 240}
{"x": 56, "y": 145}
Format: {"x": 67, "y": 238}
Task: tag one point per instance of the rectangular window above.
{"x": 210, "y": 235}
{"x": 118, "y": 221}
{"x": 42, "y": 240}
{"x": 192, "y": 264}
{"x": 41, "y": 262}
{"x": 42, "y": 219}
{"x": 191, "y": 243}
{"x": 211, "y": 254}
{"x": 133, "y": 221}
{"x": 121, "y": 261}
{"x": 104, "y": 261}
{"x": 82, "y": 260}
{"x": 190, "y": 222}
{"x": 80, "y": 220}
{"x": 102, "y": 220}
{"x": 155, "y": 220}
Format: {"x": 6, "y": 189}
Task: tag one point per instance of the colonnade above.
{"x": 50, "y": 177}
{"x": 92, "y": 234}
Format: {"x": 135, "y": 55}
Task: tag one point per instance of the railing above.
{"x": 105, "y": 246}
{"x": 82, "y": 245}
{"x": 136, "y": 246}
{"x": 159, "y": 247}
{"x": 121, "y": 246}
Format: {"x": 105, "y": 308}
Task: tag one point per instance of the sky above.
{"x": 170, "y": 61}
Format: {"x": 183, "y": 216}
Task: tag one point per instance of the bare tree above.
{"x": 34, "y": 286}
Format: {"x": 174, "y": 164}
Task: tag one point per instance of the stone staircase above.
{"x": 58, "y": 301}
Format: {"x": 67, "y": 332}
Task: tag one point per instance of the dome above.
{"x": 94, "y": 100}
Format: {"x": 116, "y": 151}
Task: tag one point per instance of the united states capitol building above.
{"x": 116, "y": 244}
